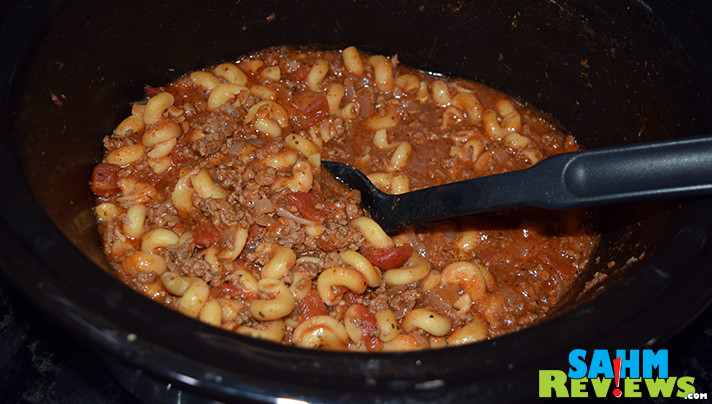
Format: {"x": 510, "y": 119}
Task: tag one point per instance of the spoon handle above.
{"x": 662, "y": 169}
{"x": 671, "y": 168}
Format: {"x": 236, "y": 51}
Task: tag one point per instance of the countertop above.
{"x": 40, "y": 363}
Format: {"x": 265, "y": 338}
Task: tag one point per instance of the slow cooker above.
{"x": 611, "y": 72}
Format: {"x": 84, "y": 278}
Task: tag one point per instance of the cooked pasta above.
{"x": 211, "y": 200}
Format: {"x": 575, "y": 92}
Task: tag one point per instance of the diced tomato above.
{"x": 233, "y": 292}
{"x": 311, "y": 306}
{"x": 302, "y": 72}
{"x": 152, "y": 91}
{"x": 325, "y": 244}
{"x": 204, "y": 236}
{"x": 389, "y": 257}
{"x": 180, "y": 93}
{"x": 308, "y": 108}
{"x": 309, "y": 206}
{"x": 255, "y": 235}
{"x": 104, "y": 181}
{"x": 182, "y": 156}
{"x": 369, "y": 329}
{"x": 277, "y": 229}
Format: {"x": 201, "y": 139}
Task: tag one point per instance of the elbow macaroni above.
{"x": 278, "y": 305}
{"x": 156, "y": 106}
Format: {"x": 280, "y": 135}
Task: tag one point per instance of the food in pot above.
{"x": 211, "y": 200}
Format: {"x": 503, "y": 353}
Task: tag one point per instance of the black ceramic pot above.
{"x": 610, "y": 71}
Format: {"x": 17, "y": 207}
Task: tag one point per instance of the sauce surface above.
{"x": 211, "y": 200}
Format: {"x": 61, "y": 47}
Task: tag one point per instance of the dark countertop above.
{"x": 41, "y": 363}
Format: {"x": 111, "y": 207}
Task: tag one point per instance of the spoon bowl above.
{"x": 629, "y": 173}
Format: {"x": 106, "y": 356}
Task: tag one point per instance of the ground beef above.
{"x": 176, "y": 255}
{"x": 162, "y": 214}
{"x": 401, "y": 299}
{"x": 377, "y": 300}
{"x": 332, "y": 259}
{"x": 309, "y": 269}
{"x": 286, "y": 232}
{"x": 228, "y": 177}
{"x": 266, "y": 176}
{"x": 207, "y": 144}
{"x": 197, "y": 267}
{"x": 220, "y": 211}
{"x": 222, "y": 122}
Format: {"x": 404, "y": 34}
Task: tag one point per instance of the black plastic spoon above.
{"x": 642, "y": 171}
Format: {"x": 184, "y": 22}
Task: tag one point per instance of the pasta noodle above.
{"x": 278, "y": 305}
{"x": 272, "y": 331}
{"x": 145, "y": 262}
{"x": 441, "y": 94}
{"x": 206, "y": 187}
{"x": 317, "y": 74}
{"x": 126, "y": 155}
{"x": 230, "y": 73}
{"x": 332, "y": 280}
{"x": 427, "y": 320}
{"x": 271, "y": 73}
{"x": 204, "y": 80}
{"x": 387, "y": 325}
{"x": 161, "y": 133}
{"x": 416, "y": 269}
{"x": 373, "y": 233}
{"x": 370, "y": 274}
{"x": 194, "y": 297}
{"x": 156, "y": 106}
{"x": 132, "y": 124}
{"x": 352, "y": 60}
{"x": 158, "y": 238}
{"x": 211, "y": 313}
{"x": 282, "y": 260}
{"x": 320, "y": 331}
{"x": 133, "y": 224}
{"x": 400, "y": 156}
{"x": 408, "y": 82}
{"x": 222, "y": 93}
{"x": 382, "y": 72}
